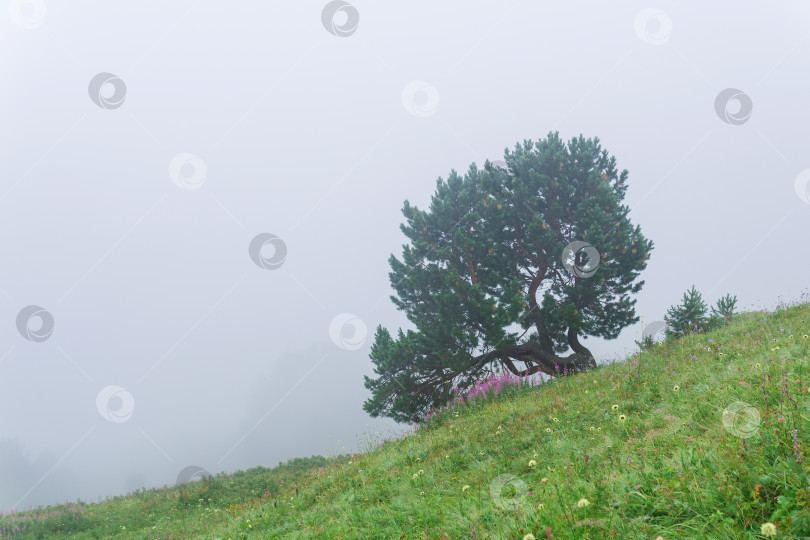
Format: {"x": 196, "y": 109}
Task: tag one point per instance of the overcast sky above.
{"x": 145, "y": 145}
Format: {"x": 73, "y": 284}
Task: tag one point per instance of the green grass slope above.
{"x": 703, "y": 437}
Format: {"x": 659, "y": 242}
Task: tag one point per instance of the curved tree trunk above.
{"x": 540, "y": 359}
{"x": 542, "y": 331}
{"x": 577, "y": 347}
{"x": 539, "y": 355}
{"x": 531, "y": 352}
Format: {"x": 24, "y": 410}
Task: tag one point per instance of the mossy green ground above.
{"x": 674, "y": 467}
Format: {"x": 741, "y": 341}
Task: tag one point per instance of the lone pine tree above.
{"x": 542, "y": 244}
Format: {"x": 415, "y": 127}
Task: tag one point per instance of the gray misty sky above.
{"x": 128, "y": 201}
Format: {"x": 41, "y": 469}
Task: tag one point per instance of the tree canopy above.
{"x": 512, "y": 263}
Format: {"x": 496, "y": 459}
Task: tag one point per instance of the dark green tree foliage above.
{"x": 689, "y": 315}
{"x": 487, "y": 259}
{"x": 722, "y": 312}
{"x": 725, "y": 307}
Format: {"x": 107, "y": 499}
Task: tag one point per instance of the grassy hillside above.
{"x": 699, "y": 438}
